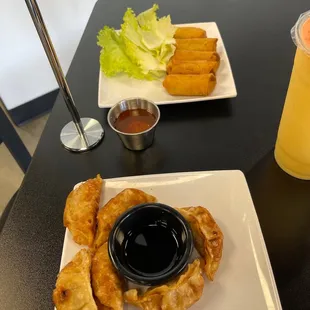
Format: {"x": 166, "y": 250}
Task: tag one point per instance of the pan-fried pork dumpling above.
{"x": 73, "y": 289}
{"x": 115, "y": 207}
{"x": 106, "y": 283}
{"x": 208, "y": 237}
{"x": 81, "y": 209}
{"x": 179, "y": 294}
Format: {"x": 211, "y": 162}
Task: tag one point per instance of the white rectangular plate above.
{"x": 115, "y": 89}
{"x": 244, "y": 280}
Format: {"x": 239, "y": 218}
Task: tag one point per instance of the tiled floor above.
{"x": 11, "y": 175}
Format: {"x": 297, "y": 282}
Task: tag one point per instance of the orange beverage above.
{"x": 292, "y": 151}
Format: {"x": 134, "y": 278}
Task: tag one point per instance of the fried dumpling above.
{"x": 81, "y": 209}
{"x": 108, "y": 214}
{"x": 106, "y": 283}
{"x": 208, "y": 237}
{"x": 73, "y": 289}
{"x": 151, "y": 300}
{"x": 179, "y": 294}
{"x": 101, "y": 306}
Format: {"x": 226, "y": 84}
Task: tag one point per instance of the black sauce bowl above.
{"x": 150, "y": 244}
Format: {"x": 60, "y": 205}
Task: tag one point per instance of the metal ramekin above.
{"x": 134, "y": 141}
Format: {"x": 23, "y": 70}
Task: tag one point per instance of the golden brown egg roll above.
{"x": 190, "y": 85}
{"x": 195, "y": 55}
{"x": 189, "y": 33}
{"x": 192, "y": 67}
{"x": 203, "y": 44}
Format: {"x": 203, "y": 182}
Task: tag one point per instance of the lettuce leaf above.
{"x": 141, "y": 49}
{"x": 155, "y": 32}
{"x": 113, "y": 58}
{"x": 148, "y": 19}
{"x": 144, "y": 60}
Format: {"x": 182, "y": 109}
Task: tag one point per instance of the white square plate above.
{"x": 115, "y": 89}
{"x": 244, "y": 280}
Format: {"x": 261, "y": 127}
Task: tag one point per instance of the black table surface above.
{"x": 224, "y": 134}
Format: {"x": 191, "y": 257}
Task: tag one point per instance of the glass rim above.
{"x": 296, "y": 32}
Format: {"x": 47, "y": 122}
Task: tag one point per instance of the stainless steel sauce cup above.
{"x": 135, "y": 141}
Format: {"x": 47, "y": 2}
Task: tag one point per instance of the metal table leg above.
{"x": 80, "y": 134}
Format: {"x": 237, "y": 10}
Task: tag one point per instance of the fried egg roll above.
{"x": 190, "y": 85}
{"x": 195, "y": 55}
{"x": 192, "y": 67}
{"x": 204, "y": 44}
{"x": 189, "y": 33}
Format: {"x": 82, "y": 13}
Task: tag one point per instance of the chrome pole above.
{"x": 81, "y": 134}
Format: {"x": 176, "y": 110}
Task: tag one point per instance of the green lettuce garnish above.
{"x": 141, "y": 49}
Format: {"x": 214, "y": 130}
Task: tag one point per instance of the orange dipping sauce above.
{"x": 134, "y": 121}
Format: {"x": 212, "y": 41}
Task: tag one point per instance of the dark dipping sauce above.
{"x": 151, "y": 249}
{"x": 150, "y": 244}
{"x": 134, "y": 121}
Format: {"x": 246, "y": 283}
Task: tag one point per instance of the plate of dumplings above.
{"x": 228, "y": 269}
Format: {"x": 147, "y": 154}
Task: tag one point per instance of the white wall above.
{"x": 24, "y": 69}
